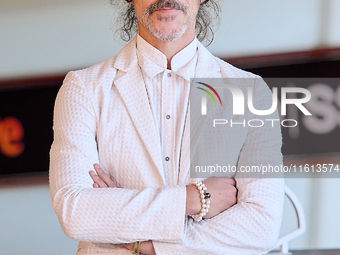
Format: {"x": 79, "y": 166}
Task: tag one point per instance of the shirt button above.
{"x": 168, "y": 74}
{"x": 168, "y": 116}
{"x": 167, "y": 158}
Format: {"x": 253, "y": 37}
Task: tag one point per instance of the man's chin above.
{"x": 167, "y": 35}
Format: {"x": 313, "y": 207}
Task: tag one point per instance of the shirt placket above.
{"x": 168, "y": 123}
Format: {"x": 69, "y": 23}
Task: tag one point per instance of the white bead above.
{"x": 204, "y": 202}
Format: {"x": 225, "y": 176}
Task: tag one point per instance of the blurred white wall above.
{"x": 56, "y": 36}
{"x": 251, "y": 27}
{"x": 28, "y": 225}
{"x": 44, "y": 37}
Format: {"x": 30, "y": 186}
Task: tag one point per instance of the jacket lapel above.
{"x": 131, "y": 87}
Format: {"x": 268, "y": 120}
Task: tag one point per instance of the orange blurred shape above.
{"x": 11, "y": 135}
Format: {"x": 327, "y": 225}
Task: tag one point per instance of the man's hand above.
{"x": 145, "y": 247}
{"x": 102, "y": 180}
{"x": 223, "y": 196}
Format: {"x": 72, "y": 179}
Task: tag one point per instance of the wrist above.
{"x": 205, "y": 201}
{"x": 193, "y": 204}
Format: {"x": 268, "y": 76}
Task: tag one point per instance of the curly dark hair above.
{"x": 208, "y": 13}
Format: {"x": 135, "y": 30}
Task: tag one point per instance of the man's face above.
{"x": 166, "y": 20}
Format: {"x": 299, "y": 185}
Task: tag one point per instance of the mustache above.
{"x": 173, "y": 4}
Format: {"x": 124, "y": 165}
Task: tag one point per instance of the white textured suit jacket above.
{"x": 102, "y": 115}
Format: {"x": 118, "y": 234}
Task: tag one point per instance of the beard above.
{"x": 167, "y": 35}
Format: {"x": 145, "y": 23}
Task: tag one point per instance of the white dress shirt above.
{"x": 168, "y": 94}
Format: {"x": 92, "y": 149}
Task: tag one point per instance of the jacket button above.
{"x": 167, "y": 158}
{"x": 168, "y": 116}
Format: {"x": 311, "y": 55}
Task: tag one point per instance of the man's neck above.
{"x": 169, "y": 49}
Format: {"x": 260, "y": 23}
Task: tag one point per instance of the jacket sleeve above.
{"x": 109, "y": 215}
{"x": 252, "y": 225}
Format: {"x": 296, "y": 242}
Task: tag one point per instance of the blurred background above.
{"x": 41, "y": 40}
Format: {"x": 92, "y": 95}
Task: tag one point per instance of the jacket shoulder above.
{"x": 89, "y": 85}
{"x": 100, "y": 73}
{"x": 106, "y": 71}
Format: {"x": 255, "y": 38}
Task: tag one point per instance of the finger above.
{"x": 147, "y": 247}
{"x": 95, "y": 185}
{"x": 97, "y": 180}
{"x": 104, "y": 177}
{"x": 128, "y": 246}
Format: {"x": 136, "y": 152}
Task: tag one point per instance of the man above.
{"x": 130, "y": 114}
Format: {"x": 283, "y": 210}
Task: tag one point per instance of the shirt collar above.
{"x": 153, "y": 61}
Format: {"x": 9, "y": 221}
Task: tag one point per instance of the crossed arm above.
{"x": 223, "y": 192}
{"x": 249, "y": 227}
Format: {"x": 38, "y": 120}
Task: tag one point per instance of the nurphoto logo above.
{"x": 238, "y": 99}
{"x": 204, "y": 98}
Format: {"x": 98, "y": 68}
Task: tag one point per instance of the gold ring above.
{"x": 136, "y": 245}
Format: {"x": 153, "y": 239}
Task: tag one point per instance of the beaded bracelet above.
{"x": 204, "y": 200}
